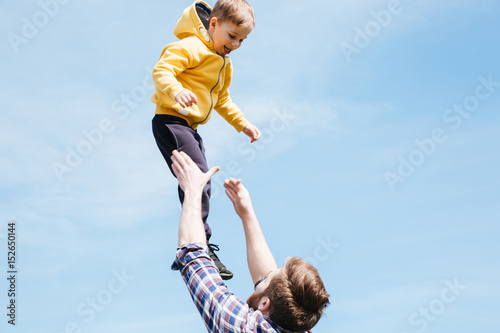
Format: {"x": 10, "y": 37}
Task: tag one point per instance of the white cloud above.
{"x": 282, "y": 122}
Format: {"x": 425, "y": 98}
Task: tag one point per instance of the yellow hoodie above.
{"x": 192, "y": 63}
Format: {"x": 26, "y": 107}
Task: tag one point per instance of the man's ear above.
{"x": 264, "y": 304}
{"x": 212, "y": 23}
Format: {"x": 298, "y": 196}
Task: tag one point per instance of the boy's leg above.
{"x": 196, "y": 150}
{"x": 178, "y": 136}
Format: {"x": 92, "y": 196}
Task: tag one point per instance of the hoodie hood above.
{"x": 194, "y": 22}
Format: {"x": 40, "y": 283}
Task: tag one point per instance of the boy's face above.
{"x": 227, "y": 36}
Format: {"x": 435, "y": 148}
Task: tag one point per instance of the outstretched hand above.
{"x": 239, "y": 196}
{"x": 259, "y": 256}
{"x": 189, "y": 175}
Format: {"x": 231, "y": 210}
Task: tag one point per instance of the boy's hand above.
{"x": 186, "y": 98}
{"x": 252, "y": 132}
{"x": 239, "y": 196}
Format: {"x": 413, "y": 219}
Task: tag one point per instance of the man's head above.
{"x": 231, "y": 21}
{"x": 293, "y": 296}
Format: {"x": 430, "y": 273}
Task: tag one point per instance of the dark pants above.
{"x": 173, "y": 133}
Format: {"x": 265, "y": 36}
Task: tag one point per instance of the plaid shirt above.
{"x": 220, "y": 309}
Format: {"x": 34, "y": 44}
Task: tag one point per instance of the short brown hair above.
{"x": 238, "y": 12}
{"x": 298, "y": 296}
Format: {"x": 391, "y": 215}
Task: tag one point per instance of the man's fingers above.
{"x": 230, "y": 193}
{"x": 184, "y": 161}
{"x": 176, "y": 168}
{"x": 235, "y": 182}
{"x": 234, "y": 185}
{"x": 178, "y": 157}
{"x": 188, "y": 173}
{"x": 228, "y": 185}
{"x": 183, "y": 158}
{"x": 187, "y": 159}
{"x": 212, "y": 172}
{"x": 233, "y": 196}
{"x": 174, "y": 156}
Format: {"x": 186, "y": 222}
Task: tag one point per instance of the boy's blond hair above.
{"x": 238, "y": 12}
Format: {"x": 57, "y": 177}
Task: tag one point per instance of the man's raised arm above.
{"x": 260, "y": 259}
{"x": 191, "y": 180}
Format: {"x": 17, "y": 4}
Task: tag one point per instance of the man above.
{"x": 286, "y": 299}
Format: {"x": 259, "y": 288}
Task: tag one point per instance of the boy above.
{"x": 192, "y": 78}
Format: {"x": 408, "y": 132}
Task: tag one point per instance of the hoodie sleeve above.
{"x": 173, "y": 61}
{"x": 225, "y": 106}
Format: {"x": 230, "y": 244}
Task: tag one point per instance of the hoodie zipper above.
{"x": 211, "y": 95}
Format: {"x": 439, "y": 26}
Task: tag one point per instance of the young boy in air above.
{"x": 192, "y": 78}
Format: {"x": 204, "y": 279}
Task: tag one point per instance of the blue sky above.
{"x": 378, "y": 162}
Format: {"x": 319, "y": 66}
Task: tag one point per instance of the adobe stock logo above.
{"x": 324, "y": 250}
{"x": 97, "y": 303}
{"x": 277, "y": 124}
{"x": 454, "y": 118}
{"x": 363, "y": 36}
{"x": 425, "y": 315}
{"x": 93, "y": 138}
{"x": 32, "y": 26}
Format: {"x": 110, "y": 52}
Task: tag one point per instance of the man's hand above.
{"x": 239, "y": 196}
{"x": 259, "y": 257}
{"x": 189, "y": 175}
{"x": 252, "y": 132}
{"x": 186, "y": 98}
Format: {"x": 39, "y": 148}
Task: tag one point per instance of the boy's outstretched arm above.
{"x": 260, "y": 259}
{"x": 191, "y": 180}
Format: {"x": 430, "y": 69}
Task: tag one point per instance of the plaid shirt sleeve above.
{"x": 219, "y": 308}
